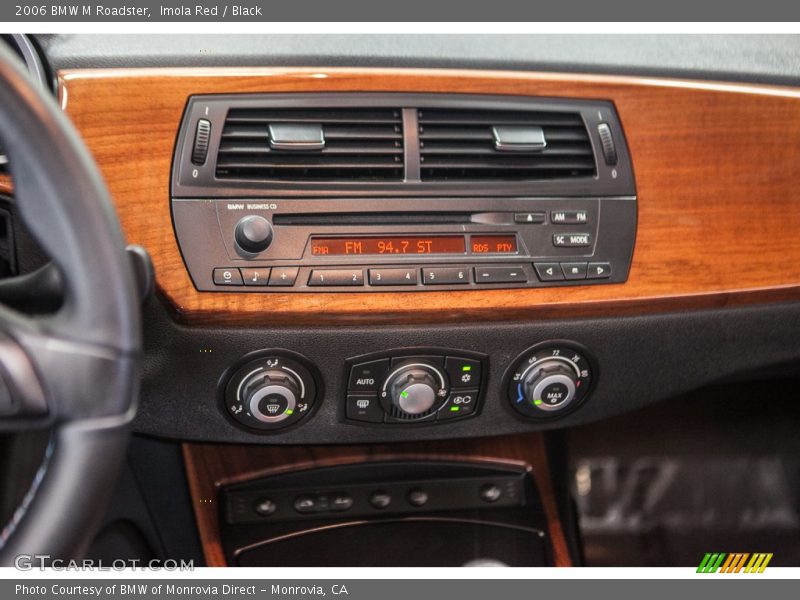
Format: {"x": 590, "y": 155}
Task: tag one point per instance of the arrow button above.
{"x": 548, "y": 271}
{"x": 599, "y": 270}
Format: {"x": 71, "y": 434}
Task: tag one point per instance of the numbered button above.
{"x": 446, "y": 275}
{"x": 336, "y": 277}
{"x": 392, "y": 277}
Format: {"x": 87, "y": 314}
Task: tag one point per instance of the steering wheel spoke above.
{"x": 74, "y": 370}
{"x": 22, "y": 398}
{"x": 46, "y": 378}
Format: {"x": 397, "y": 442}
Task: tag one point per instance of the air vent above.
{"x": 358, "y": 145}
{"x": 463, "y": 145}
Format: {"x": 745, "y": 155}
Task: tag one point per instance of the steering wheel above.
{"x": 74, "y": 371}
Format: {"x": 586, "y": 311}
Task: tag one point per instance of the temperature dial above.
{"x": 549, "y": 379}
{"x": 414, "y": 391}
{"x": 270, "y": 392}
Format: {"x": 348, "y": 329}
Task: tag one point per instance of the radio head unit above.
{"x": 382, "y": 192}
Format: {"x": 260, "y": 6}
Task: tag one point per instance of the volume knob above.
{"x": 253, "y": 234}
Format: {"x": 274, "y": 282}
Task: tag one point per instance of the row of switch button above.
{"x": 367, "y": 408}
{"x": 315, "y": 503}
{"x": 430, "y": 276}
{"x": 342, "y": 501}
{"x": 286, "y": 276}
{"x": 369, "y": 376}
{"x": 572, "y": 270}
{"x": 275, "y": 276}
{"x": 557, "y": 217}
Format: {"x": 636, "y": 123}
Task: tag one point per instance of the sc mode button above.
{"x": 572, "y": 240}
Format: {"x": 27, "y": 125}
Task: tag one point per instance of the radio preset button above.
{"x": 500, "y": 275}
{"x": 336, "y": 277}
{"x": 572, "y": 240}
{"x": 393, "y": 276}
{"x": 283, "y": 276}
{"x": 599, "y": 270}
{"x": 576, "y": 270}
{"x": 446, "y": 275}
{"x": 548, "y": 271}
{"x": 227, "y": 277}
{"x": 569, "y": 217}
{"x": 255, "y": 276}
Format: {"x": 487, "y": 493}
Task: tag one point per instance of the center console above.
{"x": 280, "y": 194}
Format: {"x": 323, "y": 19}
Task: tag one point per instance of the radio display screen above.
{"x": 355, "y": 246}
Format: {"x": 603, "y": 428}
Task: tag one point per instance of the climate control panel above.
{"x": 274, "y": 389}
{"x": 418, "y": 387}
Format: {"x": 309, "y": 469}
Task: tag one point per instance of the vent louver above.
{"x": 459, "y": 145}
{"x": 360, "y": 145}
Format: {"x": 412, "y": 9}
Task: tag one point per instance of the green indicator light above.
{"x": 537, "y": 402}
{"x": 289, "y": 411}
{"x": 404, "y": 394}
{"x": 466, "y": 368}
{"x": 455, "y": 408}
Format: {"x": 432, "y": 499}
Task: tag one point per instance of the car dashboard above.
{"x": 367, "y": 261}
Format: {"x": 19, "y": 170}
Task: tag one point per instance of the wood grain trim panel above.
{"x": 6, "y": 187}
{"x": 716, "y": 168}
{"x": 210, "y": 466}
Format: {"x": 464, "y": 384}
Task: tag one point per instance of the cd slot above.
{"x": 383, "y": 218}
